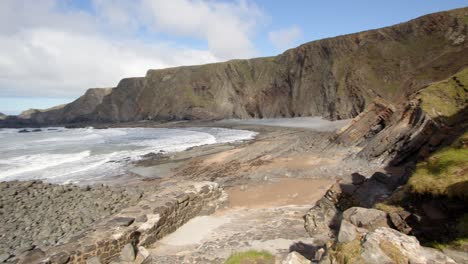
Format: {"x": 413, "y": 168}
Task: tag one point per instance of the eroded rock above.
{"x": 369, "y": 219}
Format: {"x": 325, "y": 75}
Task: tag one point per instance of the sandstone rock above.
{"x": 347, "y": 232}
{"x": 142, "y": 256}
{"x": 295, "y": 258}
{"x": 366, "y": 218}
{"x": 128, "y": 253}
{"x": 386, "y": 245}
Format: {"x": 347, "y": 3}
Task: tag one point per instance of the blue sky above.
{"x": 51, "y": 51}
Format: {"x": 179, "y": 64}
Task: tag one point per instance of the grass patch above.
{"x": 444, "y": 173}
{"x": 388, "y": 208}
{"x": 348, "y": 253}
{"x": 446, "y": 98}
{"x": 393, "y": 252}
{"x": 251, "y": 257}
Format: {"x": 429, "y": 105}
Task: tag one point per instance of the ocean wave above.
{"x": 97, "y": 153}
{"x": 30, "y": 163}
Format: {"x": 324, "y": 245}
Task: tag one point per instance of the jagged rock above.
{"x": 295, "y": 258}
{"x": 386, "y": 245}
{"x": 128, "y": 253}
{"x": 366, "y": 218}
{"x": 347, "y": 232}
{"x": 398, "y": 219}
{"x": 324, "y": 214}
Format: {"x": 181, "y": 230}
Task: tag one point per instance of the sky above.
{"x": 51, "y": 51}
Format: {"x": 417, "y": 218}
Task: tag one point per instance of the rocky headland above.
{"x": 395, "y": 178}
{"x": 336, "y": 78}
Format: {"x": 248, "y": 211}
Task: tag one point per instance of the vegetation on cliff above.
{"x": 444, "y": 173}
{"x": 445, "y": 99}
{"x": 251, "y": 257}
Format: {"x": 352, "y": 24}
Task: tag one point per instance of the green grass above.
{"x": 446, "y": 98}
{"x": 348, "y": 253}
{"x": 251, "y": 257}
{"x": 444, "y": 173}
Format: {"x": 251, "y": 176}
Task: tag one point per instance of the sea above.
{"x": 61, "y": 155}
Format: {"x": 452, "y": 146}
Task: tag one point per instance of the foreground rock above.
{"x": 295, "y": 258}
{"x": 118, "y": 237}
{"x": 37, "y": 214}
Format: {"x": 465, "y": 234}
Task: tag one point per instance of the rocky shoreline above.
{"x": 38, "y": 214}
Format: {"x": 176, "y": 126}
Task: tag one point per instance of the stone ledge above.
{"x": 139, "y": 225}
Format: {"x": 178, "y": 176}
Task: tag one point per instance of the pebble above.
{"x": 35, "y": 213}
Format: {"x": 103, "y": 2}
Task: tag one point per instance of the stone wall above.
{"x": 139, "y": 225}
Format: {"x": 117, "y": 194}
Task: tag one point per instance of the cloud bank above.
{"x": 50, "y": 48}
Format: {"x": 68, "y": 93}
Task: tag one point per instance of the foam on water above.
{"x": 74, "y": 155}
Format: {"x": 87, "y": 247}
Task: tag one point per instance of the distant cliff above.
{"x": 336, "y": 78}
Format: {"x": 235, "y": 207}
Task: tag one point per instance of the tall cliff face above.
{"x": 336, "y": 78}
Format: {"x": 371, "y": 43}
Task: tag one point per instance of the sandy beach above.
{"x": 282, "y": 166}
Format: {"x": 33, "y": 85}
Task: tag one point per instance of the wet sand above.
{"x": 278, "y": 192}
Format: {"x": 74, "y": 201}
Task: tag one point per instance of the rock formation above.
{"x": 336, "y": 78}
{"x": 3, "y": 116}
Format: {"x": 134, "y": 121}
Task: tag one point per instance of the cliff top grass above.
{"x": 444, "y": 173}
{"x": 251, "y": 257}
{"x": 446, "y": 98}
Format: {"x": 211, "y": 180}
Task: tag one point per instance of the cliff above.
{"x": 336, "y": 78}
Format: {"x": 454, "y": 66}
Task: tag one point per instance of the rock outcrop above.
{"x": 3, "y": 116}
{"x": 336, "y": 78}
{"x": 393, "y": 133}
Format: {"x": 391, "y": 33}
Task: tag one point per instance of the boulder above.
{"x": 347, "y": 232}
{"x": 128, "y": 253}
{"x": 386, "y": 245}
{"x": 295, "y": 258}
{"x": 369, "y": 219}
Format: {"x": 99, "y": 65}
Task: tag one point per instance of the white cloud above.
{"x": 227, "y": 27}
{"x": 49, "y": 49}
{"x": 285, "y": 38}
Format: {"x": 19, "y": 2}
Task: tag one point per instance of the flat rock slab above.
{"x": 276, "y": 230}
{"x": 123, "y": 221}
